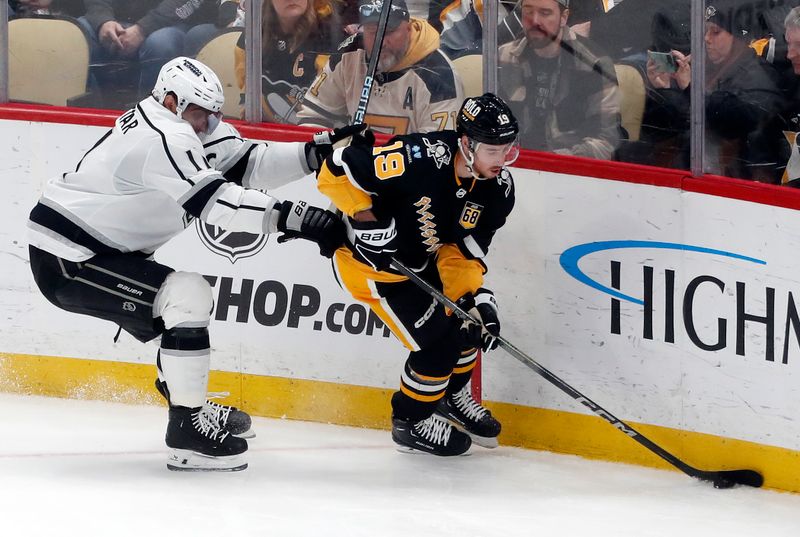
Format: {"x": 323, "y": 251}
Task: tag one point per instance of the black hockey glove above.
{"x": 304, "y": 221}
{"x": 324, "y": 142}
{"x": 375, "y": 242}
{"x": 483, "y": 307}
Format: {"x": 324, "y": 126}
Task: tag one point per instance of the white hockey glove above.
{"x": 324, "y": 142}
{"x": 374, "y": 242}
{"x": 483, "y": 307}
{"x": 304, "y": 221}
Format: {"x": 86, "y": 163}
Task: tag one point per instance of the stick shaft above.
{"x": 366, "y": 88}
{"x": 558, "y": 383}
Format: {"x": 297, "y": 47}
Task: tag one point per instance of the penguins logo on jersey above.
{"x": 504, "y": 179}
{"x": 470, "y": 215}
{"x": 233, "y": 245}
{"x": 439, "y": 152}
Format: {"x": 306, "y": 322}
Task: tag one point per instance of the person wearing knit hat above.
{"x": 741, "y": 96}
{"x": 725, "y": 15}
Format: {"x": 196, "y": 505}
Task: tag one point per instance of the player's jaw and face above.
{"x": 200, "y": 119}
{"x": 394, "y": 47}
{"x": 543, "y": 21}
{"x": 203, "y": 121}
{"x": 490, "y": 159}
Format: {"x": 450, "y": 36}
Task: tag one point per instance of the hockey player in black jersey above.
{"x": 93, "y": 232}
{"x": 434, "y": 201}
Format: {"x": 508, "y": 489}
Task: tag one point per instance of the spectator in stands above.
{"x": 26, "y": 8}
{"x": 229, "y": 14}
{"x": 461, "y": 26}
{"x": 563, "y": 91}
{"x": 742, "y": 96}
{"x": 297, "y": 37}
{"x": 150, "y": 32}
{"x": 415, "y": 87}
{"x": 787, "y": 124}
{"x": 665, "y": 69}
{"x": 625, "y": 30}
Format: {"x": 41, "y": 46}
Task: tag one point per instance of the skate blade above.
{"x": 489, "y": 442}
{"x": 248, "y": 434}
{"x": 413, "y": 451}
{"x": 186, "y": 460}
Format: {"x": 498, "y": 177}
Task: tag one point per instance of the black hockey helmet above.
{"x": 487, "y": 119}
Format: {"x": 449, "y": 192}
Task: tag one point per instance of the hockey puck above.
{"x": 722, "y": 483}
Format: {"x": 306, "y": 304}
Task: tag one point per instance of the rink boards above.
{"x": 670, "y": 307}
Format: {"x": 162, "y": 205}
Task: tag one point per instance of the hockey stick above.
{"x": 720, "y": 479}
{"x": 366, "y": 88}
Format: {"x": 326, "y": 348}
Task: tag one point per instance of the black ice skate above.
{"x": 197, "y": 444}
{"x": 470, "y": 416}
{"x": 433, "y": 435}
{"x": 229, "y": 418}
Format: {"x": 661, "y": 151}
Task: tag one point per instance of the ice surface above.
{"x": 84, "y": 468}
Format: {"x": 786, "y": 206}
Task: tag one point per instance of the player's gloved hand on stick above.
{"x": 301, "y": 220}
{"x": 483, "y": 307}
{"x": 374, "y": 241}
{"x": 324, "y": 142}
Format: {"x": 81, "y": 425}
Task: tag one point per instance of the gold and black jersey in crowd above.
{"x": 439, "y": 216}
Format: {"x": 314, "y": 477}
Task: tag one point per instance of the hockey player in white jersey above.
{"x": 165, "y": 162}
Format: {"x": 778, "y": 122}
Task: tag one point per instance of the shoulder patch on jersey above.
{"x": 347, "y": 42}
{"x": 470, "y": 214}
{"x": 437, "y": 74}
{"x": 438, "y": 151}
{"x": 504, "y": 178}
{"x": 413, "y": 151}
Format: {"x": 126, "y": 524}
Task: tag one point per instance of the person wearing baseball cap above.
{"x": 415, "y": 87}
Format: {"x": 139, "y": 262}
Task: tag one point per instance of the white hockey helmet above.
{"x": 192, "y": 82}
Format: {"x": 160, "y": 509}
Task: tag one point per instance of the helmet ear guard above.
{"x": 192, "y": 82}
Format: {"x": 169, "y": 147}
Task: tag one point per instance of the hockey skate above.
{"x": 433, "y": 435}
{"x": 228, "y": 418}
{"x": 197, "y": 444}
{"x": 470, "y": 416}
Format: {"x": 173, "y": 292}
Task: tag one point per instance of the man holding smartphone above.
{"x": 665, "y": 67}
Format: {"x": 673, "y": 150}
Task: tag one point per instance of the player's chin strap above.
{"x": 469, "y": 157}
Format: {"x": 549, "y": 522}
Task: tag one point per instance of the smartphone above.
{"x": 664, "y": 61}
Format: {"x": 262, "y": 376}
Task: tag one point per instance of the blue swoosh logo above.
{"x": 570, "y": 258}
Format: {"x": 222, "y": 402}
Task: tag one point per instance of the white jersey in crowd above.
{"x": 422, "y": 93}
{"x": 146, "y": 179}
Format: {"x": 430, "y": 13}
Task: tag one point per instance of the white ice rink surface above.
{"x": 80, "y": 468}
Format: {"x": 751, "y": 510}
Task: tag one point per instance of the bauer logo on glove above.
{"x": 300, "y": 220}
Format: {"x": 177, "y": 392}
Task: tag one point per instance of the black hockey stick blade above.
{"x": 720, "y": 479}
{"x": 726, "y": 479}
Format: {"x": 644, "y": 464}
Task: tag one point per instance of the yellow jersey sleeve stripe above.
{"x": 340, "y": 190}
